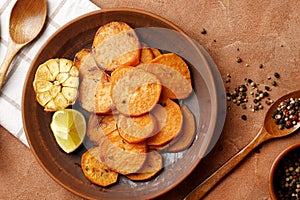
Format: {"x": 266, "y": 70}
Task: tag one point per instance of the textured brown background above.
{"x": 265, "y": 32}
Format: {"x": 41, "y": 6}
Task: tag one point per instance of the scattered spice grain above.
{"x": 274, "y": 83}
{"x": 238, "y": 59}
{"x": 267, "y": 88}
{"x": 228, "y": 78}
{"x": 251, "y": 90}
{"x": 203, "y": 31}
{"x": 244, "y": 117}
{"x": 276, "y": 75}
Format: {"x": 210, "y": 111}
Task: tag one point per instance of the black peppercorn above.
{"x": 249, "y": 81}
{"x": 238, "y": 59}
{"x": 203, "y": 31}
{"x": 274, "y": 83}
{"x": 266, "y": 94}
{"x": 287, "y": 113}
{"x": 244, "y": 117}
{"x": 267, "y": 88}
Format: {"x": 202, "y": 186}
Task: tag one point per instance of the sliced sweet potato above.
{"x": 85, "y": 63}
{"x": 99, "y": 126}
{"x": 146, "y": 54}
{"x": 158, "y": 147}
{"x": 94, "y": 92}
{"x": 115, "y": 44}
{"x": 121, "y": 156}
{"x": 156, "y": 52}
{"x": 173, "y": 74}
{"x": 186, "y": 136}
{"x": 151, "y": 167}
{"x": 95, "y": 171}
{"x": 119, "y": 73}
{"x": 136, "y": 129}
{"x": 188, "y": 131}
{"x": 170, "y": 126}
{"x": 136, "y": 93}
{"x": 102, "y": 101}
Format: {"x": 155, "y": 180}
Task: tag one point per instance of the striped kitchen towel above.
{"x": 59, "y": 13}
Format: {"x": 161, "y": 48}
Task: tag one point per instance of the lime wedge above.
{"x": 69, "y": 129}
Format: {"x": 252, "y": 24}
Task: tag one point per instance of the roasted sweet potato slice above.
{"x": 171, "y": 125}
{"x": 173, "y": 74}
{"x": 156, "y": 52}
{"x": 85, "y": 63}
{"x": 95, "y": 171}
{"x": 115, "y": 44}
{"x": 136, "y": 93}
{"x": 102, "y": 101}
{"x": 187, "y": 135}
{"x": 136, "y": 129}
{"x": 162, "y": 147}
{"x": 119, "y": 73}
{"x": 121, "y": 156}
{"x": 152, "y": 166}
{"x": 99, "y": 126}
{"x": 146, "y": 54}
{"x": 94, "y": 92}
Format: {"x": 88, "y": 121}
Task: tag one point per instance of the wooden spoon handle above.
{"x": 200, "y": 191}
{"x": 12, "y": 50}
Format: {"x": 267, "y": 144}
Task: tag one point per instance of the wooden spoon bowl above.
{"x": 26, "y": 21}
{"x": 272, "y": 128}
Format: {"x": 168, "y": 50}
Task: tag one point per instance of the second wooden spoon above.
{"x": 269, "y": 130}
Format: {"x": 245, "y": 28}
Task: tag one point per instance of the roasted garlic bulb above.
{"x": 56, "y": 84}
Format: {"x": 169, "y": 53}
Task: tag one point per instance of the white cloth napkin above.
{"x": 59, "y": 13}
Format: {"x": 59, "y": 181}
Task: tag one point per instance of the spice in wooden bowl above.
{"x": 284, "y": 177}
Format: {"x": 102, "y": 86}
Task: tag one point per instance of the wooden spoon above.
{"x": 26, "y": 21}
{"x": 269, "y": 130}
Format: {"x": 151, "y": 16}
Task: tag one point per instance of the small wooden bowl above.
{"x": 278, "y": 165}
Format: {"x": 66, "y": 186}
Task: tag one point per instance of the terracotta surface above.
{"x": 258, "y": 32}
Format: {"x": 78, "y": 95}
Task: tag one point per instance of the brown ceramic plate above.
{"x": 207, "y": 103}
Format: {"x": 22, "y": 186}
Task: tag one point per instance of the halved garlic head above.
{"x": 56, "y": 84}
